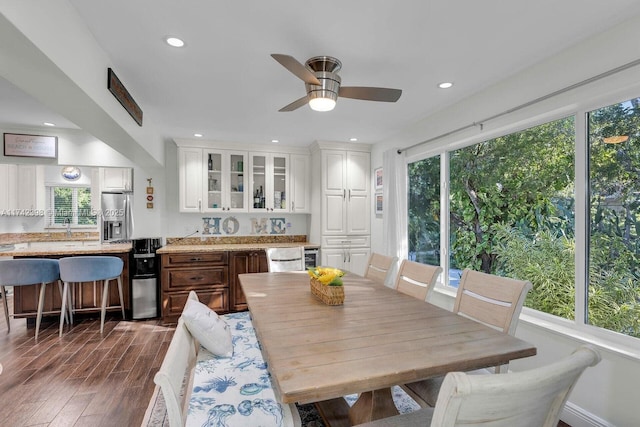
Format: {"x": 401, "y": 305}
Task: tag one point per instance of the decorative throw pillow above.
{"x": 208, "y": 328}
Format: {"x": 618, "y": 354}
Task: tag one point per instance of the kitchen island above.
{"x": 86, "y": 297}
{"x": 211, "y": 268}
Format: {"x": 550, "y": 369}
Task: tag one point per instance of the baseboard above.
{"x": 576, "y": 416}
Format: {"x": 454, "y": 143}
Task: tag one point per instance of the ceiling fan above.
{"x": 320, "y": 75}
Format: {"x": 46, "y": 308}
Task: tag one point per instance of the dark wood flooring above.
{"x": 81, "y": 379}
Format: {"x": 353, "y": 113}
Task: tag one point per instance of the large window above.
{"x": 69, "y": 205}
{"x": 614, "y": 222}
{"x": 512, "y": 213}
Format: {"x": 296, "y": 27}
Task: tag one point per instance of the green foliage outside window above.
{"x": 512, "y": 214}
{"x": 72, "y": 204}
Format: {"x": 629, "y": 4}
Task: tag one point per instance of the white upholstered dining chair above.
{"x": 486, "y": 298}
{"x": 416, "y": 279}
{"x": 285, "y": 259}
{"x": 532, "y": 398}
{"x": 380, "y": 267}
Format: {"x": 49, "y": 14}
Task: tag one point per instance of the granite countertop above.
{"x": 174, "y": 249}
{"x": 67, "y": 249}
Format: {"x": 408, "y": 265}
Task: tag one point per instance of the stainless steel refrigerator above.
{"x": 117, "y": 220}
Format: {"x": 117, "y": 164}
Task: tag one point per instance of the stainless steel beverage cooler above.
{"x": 145, "y": 270}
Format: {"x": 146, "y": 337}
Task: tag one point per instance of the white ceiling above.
{"x": 225, "y": 85}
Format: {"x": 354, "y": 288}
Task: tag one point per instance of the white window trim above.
{"x": 49, "y": 224}
{"x": 623, "y": 345}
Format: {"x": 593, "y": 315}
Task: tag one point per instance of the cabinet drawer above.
{"x": 173, "y": 302}
{"x": 195, "y": 278}
{"x": 194, "y": 258}
{"x": 346, "y": 241}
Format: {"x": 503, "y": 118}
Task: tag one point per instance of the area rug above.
{"x": 156, "y": 413}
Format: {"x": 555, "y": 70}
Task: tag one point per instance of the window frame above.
{"x": 50, "y": 206}
{"x": 511, "y": 123}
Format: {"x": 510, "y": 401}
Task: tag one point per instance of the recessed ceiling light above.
{"x": 353, "y": 139}
{"x": 174, "y": 41}
{"x": 445, "y": 85}
{"x": 275, "y": 141}
{"x": 197, "y": 135}
{"x": 49, "y": 124}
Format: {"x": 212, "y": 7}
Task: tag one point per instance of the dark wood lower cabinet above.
{"x": 241, "y": 262}
{"x": 205, "y": 273}
{"x": 86, "y": 297}
{"x": 212, "y": 275}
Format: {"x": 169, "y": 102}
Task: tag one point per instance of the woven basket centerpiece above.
{"x": 326, "y": 285}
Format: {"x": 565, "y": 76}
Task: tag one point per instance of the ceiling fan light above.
{"x": 322, "y": 104}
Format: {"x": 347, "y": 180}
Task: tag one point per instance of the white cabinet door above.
{"x": 353, "y": 260}
{"x": 345, "y": 192}
{"x": 31, "y": 187}
{"x": 358, "y": 259}
{"x": 9, "y": 190}
{"x": 225, "y": 182}
{"x": 334, "y": 213}
{"x": 358, "y": 201}
{"x": 269, "y": 182}
{"x": 190, "y": 179}
{"x": 116, "y": 179}
{"x": 333, "y": 258}
{"x": 299, "y": 184}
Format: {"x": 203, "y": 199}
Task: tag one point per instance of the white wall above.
{"x": 606, "y": 394}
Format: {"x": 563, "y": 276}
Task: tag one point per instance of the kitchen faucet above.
{"x": 68, "y": 222}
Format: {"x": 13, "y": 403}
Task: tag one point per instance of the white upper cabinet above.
{"x": 299, "y": 185}
{"x": 213, "y": 177}
{"x": 116, "y": 179}
{"x": 269, "y": 182}
{"x": 345, "y": 192}
{"x": 23, "y": 191}
{"x": 225, "y": 181}
{"x": 9, "y": 191}
{"x": 190, "y": 179}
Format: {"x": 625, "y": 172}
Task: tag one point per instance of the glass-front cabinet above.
{"x": 225, "y": 181}
{"x": 269, "y": 182}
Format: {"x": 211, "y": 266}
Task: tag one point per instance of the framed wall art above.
{"x": 378, "y": 203}
{"x": 30, "y": 145}
{"x": 378, "y": 179}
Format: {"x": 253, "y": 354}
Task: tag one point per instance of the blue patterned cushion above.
{"x": 236, "y": 391}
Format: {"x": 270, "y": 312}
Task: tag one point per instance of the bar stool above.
{"x": 29, "y": 271}
{"x": 91, "y": 269}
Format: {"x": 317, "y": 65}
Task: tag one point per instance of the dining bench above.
{"x": 201, "y": 388}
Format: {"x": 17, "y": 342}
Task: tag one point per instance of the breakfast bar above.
{"x": 87, "y": 296}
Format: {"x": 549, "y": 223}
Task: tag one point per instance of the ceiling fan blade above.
{"x": 370, "y": 93}
{"x": 295, "y": 67}
{"x": 295, "y": 104}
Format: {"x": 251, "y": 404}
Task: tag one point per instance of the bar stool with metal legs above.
{"x": 91, "y": 269}
{"x": 29, "y": 271}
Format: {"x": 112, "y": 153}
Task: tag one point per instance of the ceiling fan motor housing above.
{"x": 325, "y": 69}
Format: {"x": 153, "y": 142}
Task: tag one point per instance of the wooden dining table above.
{"x": 377, "y": 339}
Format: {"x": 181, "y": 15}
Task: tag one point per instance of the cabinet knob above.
{"x": 196, "y": 278}
{"x": 196, "y": 259}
